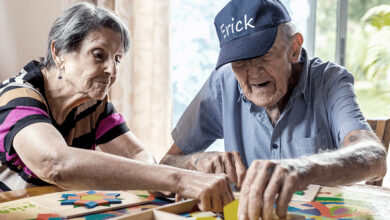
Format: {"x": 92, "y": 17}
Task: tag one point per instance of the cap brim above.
{"x": 249, "y": 46}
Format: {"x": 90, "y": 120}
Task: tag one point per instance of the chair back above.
{"x": 381, "y": 128}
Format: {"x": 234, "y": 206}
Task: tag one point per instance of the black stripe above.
{"x": 10, "y": 88}
{"x": 27, "y": 101}
{"x": 4, "y": 187}
{"x": 68, "y": 124}
{"x": 35, "y": 181}
{"x": 12, "y": 80}
{"x": 109, "y": 109}
{"x": 3, "y": 158}
{"x": 85, "y": 141}
{"x": 24, "y": 176}
{"x": 6, "y": 109}
{"x": 71, "y": 120}
{"x": 20, "y": 124}
{"x": 113, "y": 133}
{"x": 34, "y": 74}
{"x": 88, "y": 111}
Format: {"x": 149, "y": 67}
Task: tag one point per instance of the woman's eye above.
{"x": 118, "y": 59}
{"x": 98, "y": 55}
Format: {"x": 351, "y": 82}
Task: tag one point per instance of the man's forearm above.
{"x": 181, "y": 160}
{"x": 363, "y": 160}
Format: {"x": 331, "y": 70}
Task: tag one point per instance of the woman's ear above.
{"x": 56, "y": 57}
{"x": 297, "y": 41}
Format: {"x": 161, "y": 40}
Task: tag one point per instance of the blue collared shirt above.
{"x": 321, "y": 111}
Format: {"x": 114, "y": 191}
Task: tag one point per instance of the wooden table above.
{"x": 25, "y": 193}
{"x": 347, "y": 202}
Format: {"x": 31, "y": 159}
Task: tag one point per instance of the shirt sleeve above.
{"x": 110, "y": 125}
{"x": 19, "y": 108}
{"x": 343, "y": 110}
{"x": 201, "y": 123}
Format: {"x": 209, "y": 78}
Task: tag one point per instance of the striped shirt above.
{"x": 23, "y": 102}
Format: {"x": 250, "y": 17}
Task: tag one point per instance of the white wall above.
{"x": 24, "y": 28}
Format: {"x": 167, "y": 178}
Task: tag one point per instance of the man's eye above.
{"x": 238, "y": 64}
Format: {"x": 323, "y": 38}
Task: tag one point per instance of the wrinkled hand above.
{"x": 266, "y": 183}
{"x": 229, "y": 163}
{"x": 212, "y": 191}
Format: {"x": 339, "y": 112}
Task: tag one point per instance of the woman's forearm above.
{"x": 84, "y": 169}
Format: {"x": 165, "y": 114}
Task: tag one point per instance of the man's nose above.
{"x": 254, "y": 71}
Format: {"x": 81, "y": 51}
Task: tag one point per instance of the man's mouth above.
{"x": 260, "y": 85}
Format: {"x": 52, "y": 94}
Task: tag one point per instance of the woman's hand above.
{"x": 212, "y": 190}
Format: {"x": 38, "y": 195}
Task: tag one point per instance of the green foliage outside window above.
{"x": 367, "y": 51}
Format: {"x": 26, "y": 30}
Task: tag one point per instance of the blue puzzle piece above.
{"x": 68, "y": 202}
{"x": 67, "y": 195}
{"x": 114, "y": 201}
{"x": 91, "y": 192}
{"x": 112, "y": 194}
{"x": 91, "y": 204}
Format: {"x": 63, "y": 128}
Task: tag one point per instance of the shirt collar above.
{"x": 300, "y": 88}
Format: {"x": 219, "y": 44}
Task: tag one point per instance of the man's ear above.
{"x": 297, "y": 41}
{"x": 58, "y": 59}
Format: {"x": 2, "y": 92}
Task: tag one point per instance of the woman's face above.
{"x": 92, "y": 68}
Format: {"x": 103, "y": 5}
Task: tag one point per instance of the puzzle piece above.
{"x": 90, "y": 199}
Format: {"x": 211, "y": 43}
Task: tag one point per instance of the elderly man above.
{"x": 294, "y": 120}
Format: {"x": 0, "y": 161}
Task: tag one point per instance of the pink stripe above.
{"x": 15, "y": 115}
{"x": 108, "y": 123}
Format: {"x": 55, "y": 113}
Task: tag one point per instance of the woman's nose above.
{"x": 111, "y": 68}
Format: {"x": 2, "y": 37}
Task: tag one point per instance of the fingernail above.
{"x": 241, "y": 217}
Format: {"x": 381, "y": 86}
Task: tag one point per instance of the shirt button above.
{"x": 274, "y": 146}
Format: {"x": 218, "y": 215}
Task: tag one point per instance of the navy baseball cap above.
{"x": 248, "y": 28}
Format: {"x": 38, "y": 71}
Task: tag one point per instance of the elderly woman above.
{"x": 55, "y": 112}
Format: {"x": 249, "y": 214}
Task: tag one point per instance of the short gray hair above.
{"x": 73, "y": 25}
{"x": 288, "y": 30}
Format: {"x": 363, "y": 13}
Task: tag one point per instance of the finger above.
{"x": 219, "y": 165}
{"x": 254, "y": 172}
{"x": 244, "y": 193}
{"x": 227, "y": 197}
{"x": 205, "y": 202}
{"x": 230, "y": 169}
{"x": 239, "y": 168}
{"x": 177, "y": 197}
{"x": 216, "y": 201}
{"x": 256, "y": 198}
{"x": 273, "y": 188}
{"x": 287, "y": 192}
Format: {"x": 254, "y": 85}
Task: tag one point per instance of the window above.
{"x": 367, "y": 51}
{"x": 194, "y": 51}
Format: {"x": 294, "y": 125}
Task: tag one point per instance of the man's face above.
{"x": 264, "y": 80}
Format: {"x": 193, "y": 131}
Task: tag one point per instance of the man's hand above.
{"x": 229, "y": 163}
{"x": 266, "y": 183}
